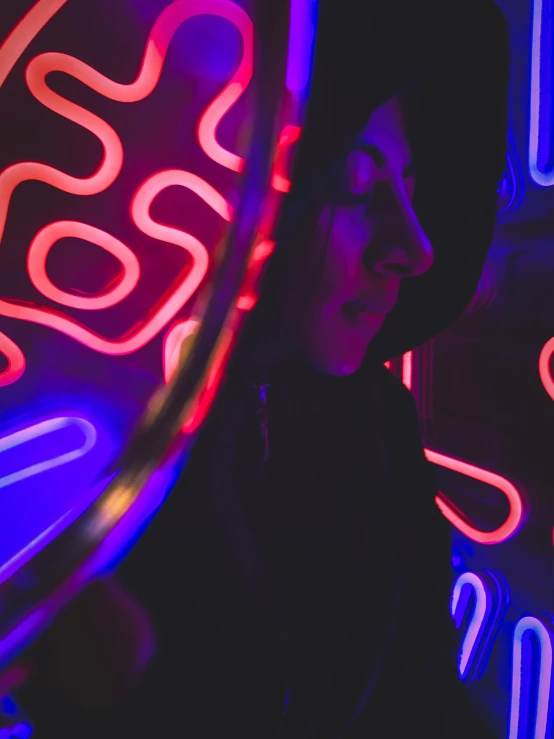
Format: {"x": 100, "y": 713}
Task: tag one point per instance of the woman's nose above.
{"x": 402, "y": 248}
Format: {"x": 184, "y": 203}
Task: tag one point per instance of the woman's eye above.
{"x": 359, "y": 173}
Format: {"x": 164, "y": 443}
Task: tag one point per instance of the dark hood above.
{"x": 449, "y": 60}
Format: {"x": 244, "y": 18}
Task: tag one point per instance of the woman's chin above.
{"x": 339, "y": 364}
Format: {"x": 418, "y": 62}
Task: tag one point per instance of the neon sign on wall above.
{"x": 491, "y": 597}
{"x": 515, "y": 516}
{"x": 108, "y": 171}
{"x": 530, "y": 709}
{"x": 531, "y": 714}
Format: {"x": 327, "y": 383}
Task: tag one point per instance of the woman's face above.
{"x": 370, "y": 240}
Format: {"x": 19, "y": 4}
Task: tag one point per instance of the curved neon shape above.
{"x": 16, "y": 361}
{"x": 49, "y": 235}
{"x": 460, "y": 599}
{"x": 491, "y": 600}
{"x": 522, "y": 666}
{"x": 24, "y": 32}
{"x": 544, "y": 367}
{"x": 176, "y": 298}
{"x": 515, "y": 516}
{"x": 541, "y": 127}
{"x": 148, "y": 77}
{"x": 38, "y": 430}
{"x": 147, "y": 80}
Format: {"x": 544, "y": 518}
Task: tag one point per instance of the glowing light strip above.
{"x": 49, "y": 235}
{"x": 521, "y": 671}
{"x": 515, "y": 516}
{"x": 16, "y": 361}
{"x": 301, "y": 38}
{"x": 541, "y": 127}
{"x": 492, "y": 598}
{"x": 154, "y": 56}
{"x": 25, "y": 554}
{"x": 459, "y": 604}
{"x": 25, "y": 31}
{"x": 42, "y": 429}
{"x": 288, "y": 136}
{"x": 181, "y": 293}
{"x": 544, "y": 367}
{"x": 407, "y": 369}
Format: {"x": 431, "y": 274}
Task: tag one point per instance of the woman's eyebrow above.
{"x": 379, "y": 157}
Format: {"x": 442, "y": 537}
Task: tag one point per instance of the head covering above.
{"x": 449, "y": 61}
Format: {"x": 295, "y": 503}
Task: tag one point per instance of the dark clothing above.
{"x": 302, "y": 574}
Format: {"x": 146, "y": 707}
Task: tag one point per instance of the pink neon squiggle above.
{"x": 147, "y": 80}
{"x": 521, "y": 668}
{"x": 49, "y": 235}
{"x": 515, "y": 517}
{"x": 156, "y": 49}
{"x": 24, "y": 32}
{"x": 16, "y": 361}
{"x": 180, "y": 294}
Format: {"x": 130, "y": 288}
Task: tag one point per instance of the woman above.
{"x": 297, "y": 580}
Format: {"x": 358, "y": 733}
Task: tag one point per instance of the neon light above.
{"x": 19, "y": 731}
{"x": 248, "y": 296}
{"x": 515, "y": 516}
{"x": 491, "y": 599}
{"x": 38, "y": 430}
{"x": 24, "y": 32}
{"x": 544, "y": 367}
{"x": 464, "y": 584}
{"x": 172, "y": 345}
{"x": 301, "y": 38}
{"x": 387, "y": 365}
{"x": 16, "y": 361}
{"x": 407, "y": 370}
{"x": 541, "y": 128}
{"x": 154, "y": 323}
{"x": 148, "y": 77}
{"x": 288, "y": 136}
{"x": 25, "y": 554}
{"x": 47, "y": 237}
{"x": 523, "y": 668}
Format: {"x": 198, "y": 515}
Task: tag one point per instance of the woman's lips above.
{"x": 361, "y": 316}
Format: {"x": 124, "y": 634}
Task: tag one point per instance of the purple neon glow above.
{"x": 521, "y": 667}
{"x": 483, "y": 602}
{"x": 541, "y": 125}
{"x": 103, "y": 559}
{"x": 20, "y": 731}
{"x": 25, "y": 554}
{"x": 38, "y": 430}
{"x": 301, "y": 40}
